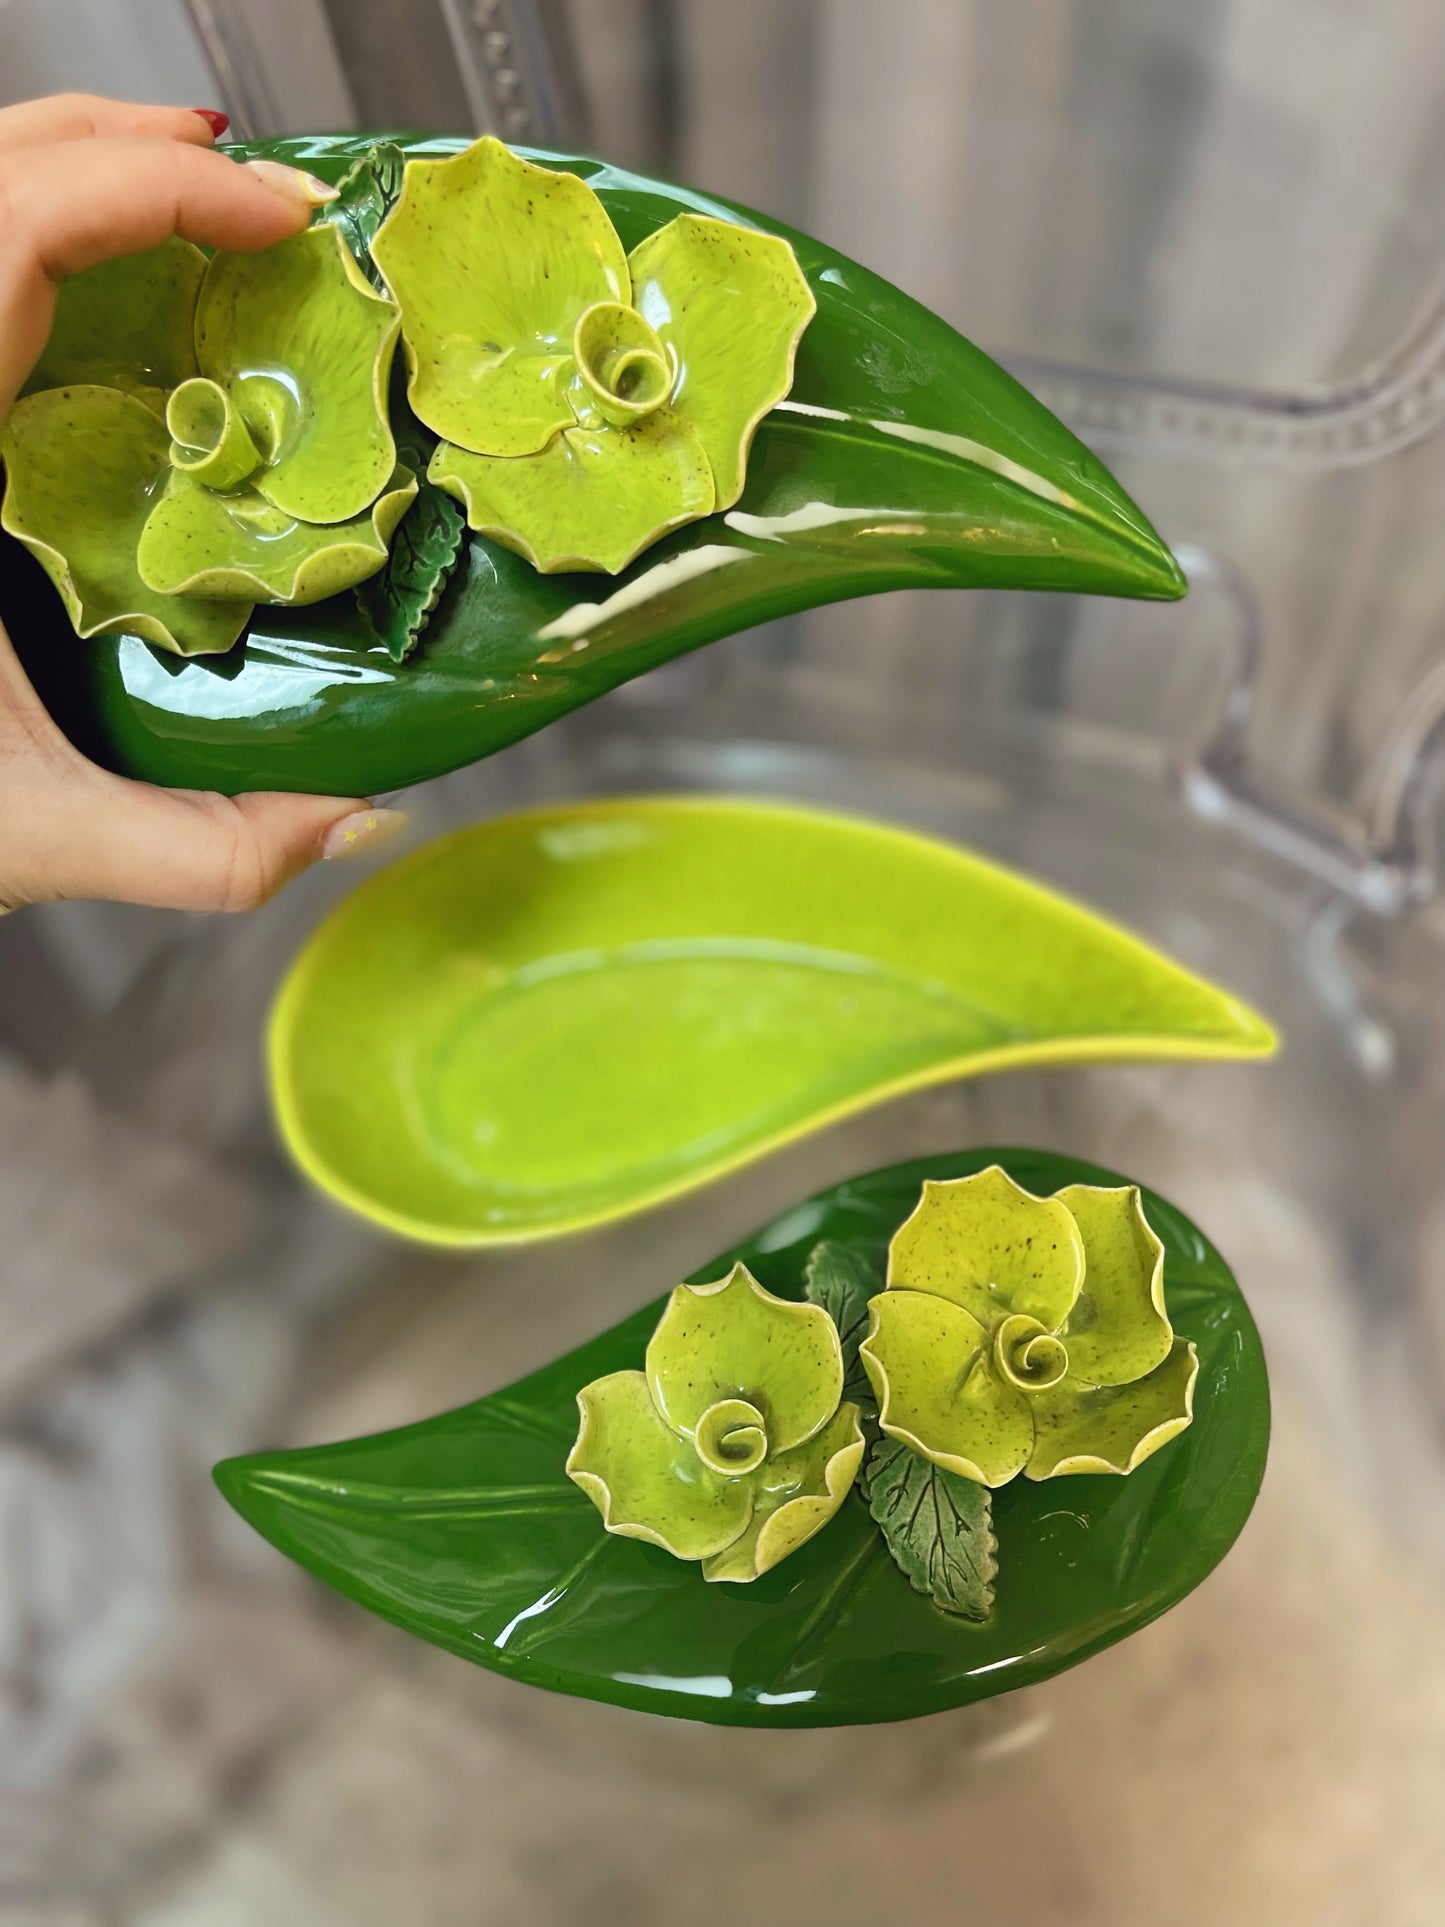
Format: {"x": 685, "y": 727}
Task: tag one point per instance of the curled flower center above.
{"x": 209, "y": 441}
{"x": 730, "y": 1437}
{"x": 627, "y": 370}
{"x": 1028, "y": 1355}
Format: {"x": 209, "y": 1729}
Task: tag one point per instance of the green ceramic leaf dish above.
{"x": 466, "y": 1530}
{"x": 562, "y": 1017}
{"x": 902, "y": 457}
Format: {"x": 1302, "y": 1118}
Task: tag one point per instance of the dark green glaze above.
{"x": 464, "y": 1528}
{"x": 310, "y": 701}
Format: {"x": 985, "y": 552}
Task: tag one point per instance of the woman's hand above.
{"x": 81, "y": 181}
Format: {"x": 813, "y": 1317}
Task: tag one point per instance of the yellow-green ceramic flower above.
{"x": 590, "y": 400}
{"x": 202, "y": 436}
{"x": 732, "y": 1447}
{"x": 1023, "y": 1334}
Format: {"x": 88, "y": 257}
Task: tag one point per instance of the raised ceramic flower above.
{"x": 732, "y": 1447}
{"x": 1023, "y": 1334}
{"x": 589, "y": 400}
{"x": 202, "y": 436}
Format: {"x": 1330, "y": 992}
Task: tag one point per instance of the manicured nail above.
{"x": 293, "y": 184}
{"x": 361, "y": 828}
{"x": 214, "y": 119}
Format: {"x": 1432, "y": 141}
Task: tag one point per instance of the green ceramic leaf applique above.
{"x": 126, "y": 324}
{"x": 841, "y": 1280}
{"x": 938, "y": 1527}
{"x": 731, "y": 1446}
{"x": 270, "y": 555}
{"x": 497, "y": 1091}
{"x": 583, "y": 416}
{"x": 398, "y": 602}
{"x": 84, "y": 466}
{"x": 466, "y": 1530}
{"x": 399, "y": 599}
{"x": 366, "y": 194}
{"x": 901, "y": 457}
{"x": 1024, "y": 1334}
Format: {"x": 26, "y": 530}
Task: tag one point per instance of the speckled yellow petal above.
{"x": 794, "y": 1497}
{"x": 83, "y": 467}
{"x": 304, "y": 344}
{"x": 127, "y": 324}
{"x": 493, "y": 261}
{"x": 594, "y": 499}
{"x": 1112, "y": 1428}
{"x": 990, "y": 1246}
{"x": 734, "y": 1340}
{"x": 731, "y": 304}
{"x": 1118, "y": 1328}
{"x": 646, "y": 1481}
{"x": 199, "y": 543}
{"x": 927, "y": 1360}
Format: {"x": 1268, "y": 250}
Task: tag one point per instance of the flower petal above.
{"x": 733, "y": 1339}
{"x": 197, "y": 542}
{"x": 794, "y": 1496}
{"x": 84, "y": 466}
{"x": 127, "y": 324}
{"x": 927, "y": 1360}
{"x": 594, "y": 499}
{"x": 1118, "y": 1329}
{"x": 304, "y": 343}
{"x": 493, "y": 260}
{"x": 1112, "y": 1428}
{"x": 992, "y": 1247}
{"x": 732, "y": 304}
{"x": 646, "y": 1481}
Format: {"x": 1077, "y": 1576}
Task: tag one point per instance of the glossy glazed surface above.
{"x": 558, "y": 1018}
{"x": 465, "y": 1529}
{"x": 902, "y": 457}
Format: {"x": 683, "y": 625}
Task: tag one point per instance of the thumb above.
{"x": 91, "y": 834}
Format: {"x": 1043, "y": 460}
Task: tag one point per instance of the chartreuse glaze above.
{"x": 734, "y": 1444}
{"x": 1023, "y": 1334}
{"x": 588, "y": 400}
{"x": 558, "y": 1018}
{"x": 467, "y": 1530}
{"x": 901, "y": 457}
{"x": 200, "y": 436}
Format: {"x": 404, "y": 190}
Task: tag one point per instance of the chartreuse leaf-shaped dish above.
{"x": 901, "y": 457}
{"x": 559, "y": 1018}
{"x": 466, "y": 1530}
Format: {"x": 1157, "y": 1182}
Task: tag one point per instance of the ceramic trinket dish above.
{"x": 556, "y": 1019}
{"x": 899, "y": 456}
{"x": 916, "y": 1590}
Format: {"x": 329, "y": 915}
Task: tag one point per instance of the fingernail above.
{"x": 293, "y": 184}
{"x": 214, "y": 119}
{"x": 361, "y": 828}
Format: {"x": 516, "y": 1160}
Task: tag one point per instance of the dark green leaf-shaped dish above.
{"x": 902, "y": 457}
{"x": 466, "y": 1530}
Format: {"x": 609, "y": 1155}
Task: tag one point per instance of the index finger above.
{"x": 67, "y": 206}
{"x": 70, "y": 117}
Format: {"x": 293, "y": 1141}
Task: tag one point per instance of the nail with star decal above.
{"x": 361, "y": 830}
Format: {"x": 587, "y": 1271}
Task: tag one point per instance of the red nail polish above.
{"x": 214, "y": 119}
